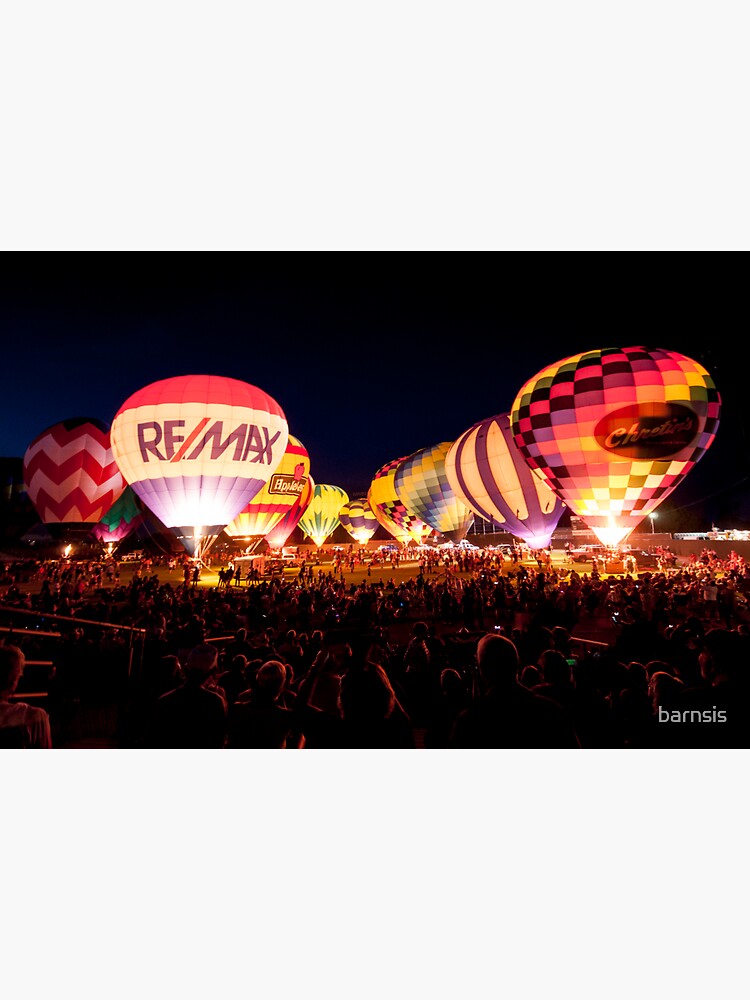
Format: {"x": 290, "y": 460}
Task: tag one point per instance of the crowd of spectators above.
{"x": 472, "y": 651}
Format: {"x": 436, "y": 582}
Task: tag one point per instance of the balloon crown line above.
{"x": 608, "y": 433}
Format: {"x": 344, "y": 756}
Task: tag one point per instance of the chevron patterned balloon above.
{"x": 70, "y": 473}
{"x": 422, "y": 486}
{"x": 322, "y": 516}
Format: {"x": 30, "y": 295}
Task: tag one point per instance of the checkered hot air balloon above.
{"x": 123, "y": 517}
{"x": 196, "y": 449}
{"x": 422, "y": 486}
{"x": 614, "y": 431}
{"x": 71, "y": 475}
{"x": 489, "y": 474}
{"x": 276, "y": 498}
{"x": 389, "y": 510}
{"x": 359, "y": 520}
{"x": 322, "y": 515}
{"x": 278, "y": 535}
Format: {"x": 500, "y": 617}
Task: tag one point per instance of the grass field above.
{"x": 377, "y": 573}
{"x": 406, "y": 571}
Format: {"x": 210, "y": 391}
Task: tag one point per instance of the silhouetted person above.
{"x": 368, "y": 715}
{"x": 191, "y": 716}
{"x": 290, "y": 651}
{"x": 454, "y": 698}
{"x": 239, "y": 646}
{"x": 593, "y": 719}
{"x": 557, "y": 683}
{"x": 531, "y": 676}
{"x": 261, "y": 722}
{"x": 724, "y": 688}
{"x": 21, "y": 725}
{"x": 371, "y": 713}
{"x": 508, "y": 715}
{"x": 421, "y": 679}
{"x": 233, "y": 681}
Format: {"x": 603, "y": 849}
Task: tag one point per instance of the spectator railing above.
{"x": 19, "y": 628}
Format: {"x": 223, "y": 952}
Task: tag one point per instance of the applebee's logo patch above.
{"x": 284, "y": 483}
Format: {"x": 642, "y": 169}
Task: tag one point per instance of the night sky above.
{"x": 371, "y": 356}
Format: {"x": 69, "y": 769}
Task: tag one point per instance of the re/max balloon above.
{"x": 490, "y": 475}
{"x": 71, "y": 474}
{"x": 196, "y": 449}
{"x": 614, "y": 431}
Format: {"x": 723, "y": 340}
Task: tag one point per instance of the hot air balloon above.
{"x": 359, "y": 520}
{"x": 276, "y": 498}
{"x": 614, "y": 431}
{"x": 390, "y": 512}
{"x": 422, "y": 486}
{"x": 123, "y": 516}
{"x": 281, "y": 531}
{"x": 489, "y": 474}
{"x": 71, "y": 475}
{"x": 196, "y": 449}
{"x": 322, "y": 515}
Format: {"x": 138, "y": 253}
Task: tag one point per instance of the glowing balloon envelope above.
{"x": 278, "y": 535}
{"x": 196, "y": 449}
{"x": 276, "y": 498}
{"x": 614, "y": 431}
{"x": 390, "y": 511}
{"x": 489, "y": 474}
{"x": 359, "y": 520}
{"x": 71, "y": 474}
{"x": 422, "y": 486}
{"x": 322, "y": 515}
{"x": 122, "y": 518}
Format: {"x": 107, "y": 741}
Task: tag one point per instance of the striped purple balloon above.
{"x": 490, "y": 475}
